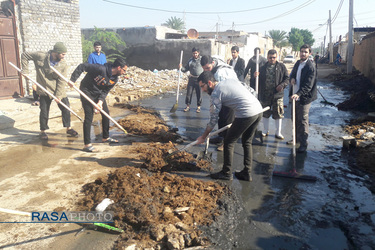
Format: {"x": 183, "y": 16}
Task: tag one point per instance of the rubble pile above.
{"x": 139, "y": 83}
{"x": 159, "y": 209}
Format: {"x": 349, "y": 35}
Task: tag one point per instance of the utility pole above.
{"x": 349, "y": 61}
{"x": 324, "y": 46}
{"x": 330, "y": 39}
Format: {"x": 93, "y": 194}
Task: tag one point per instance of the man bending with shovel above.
{"x": 96, "y": 85}
{"x": 43, "y": 62}
{"x": 248, "y": 113}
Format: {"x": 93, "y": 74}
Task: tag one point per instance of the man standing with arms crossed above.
{"x": 304, "y": 92}
{"x": 43, "y": 62}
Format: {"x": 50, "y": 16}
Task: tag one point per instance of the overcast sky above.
{"x": 249, "y": 15}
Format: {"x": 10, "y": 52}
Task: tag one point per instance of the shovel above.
{"x": 293, "y": 173}
{"x": 325, "y": 100}
{"x": 174, "y": 108}
{"x": 196, "y": 141}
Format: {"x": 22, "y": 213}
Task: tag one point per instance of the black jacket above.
{"x": 251, "y": 66}
{"x": 281, "y": 78}
{"x": 239, "y": 68}
{"x": 308, "y": 88}
{"x": 98, "y": 81}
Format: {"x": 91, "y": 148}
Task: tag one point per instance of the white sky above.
{"x": 257, "y": 16}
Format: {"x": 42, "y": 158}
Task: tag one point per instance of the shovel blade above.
{"x": 174, "y": 108}
{"x": 294, "y": 175}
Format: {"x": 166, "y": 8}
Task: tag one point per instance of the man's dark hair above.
{"x": 255, "y": 50}
{"x": 97, "y": 44}
{"x": 195, "y": 49}
{"x": 119, "y": 62}
{"x": 235, "y": 48}
{"x": 305, "y": 46}
{"x": 205, "y": 77}
{"x": 272, "y": 52}
{"x": 206, "y": 59}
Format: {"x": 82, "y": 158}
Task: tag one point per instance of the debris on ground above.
{"x": 156, "y": 208}
{"x": 139, "y": 83}
{"x": 362, "y": 148}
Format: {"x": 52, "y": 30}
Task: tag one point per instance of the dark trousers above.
{"x": 247, "y": 128}
{"x": 89, "y": 116}
{"x": 226, "y": 116}
{"x": 193, "y": 85}
{"x": 45, "y": 104}
{"x": 302, "y": 123}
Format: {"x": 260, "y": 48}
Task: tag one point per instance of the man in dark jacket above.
{"x": 304, "y": 92}
{"x": 97, "y": 83}
{"x": 251, "y": 66}
{"x": 273, "y": 78}
{"x": 237, "y": 63}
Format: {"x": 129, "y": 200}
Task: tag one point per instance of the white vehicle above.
{"x": 289, "y": 59}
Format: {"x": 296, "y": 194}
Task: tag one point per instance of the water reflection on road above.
{"x": 335, "y": 212}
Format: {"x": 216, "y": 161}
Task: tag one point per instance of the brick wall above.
{"x": 42, "y": 23}
{"x": 364, "y": 56}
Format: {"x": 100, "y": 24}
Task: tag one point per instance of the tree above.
{"x": 278, "y": 38}
{"x": 112, "y": 44}
{"x": 298, "y": 37}
{"x": 175, "y": 23}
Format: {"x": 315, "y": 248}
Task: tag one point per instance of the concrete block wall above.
{"x": 42, "y": 23}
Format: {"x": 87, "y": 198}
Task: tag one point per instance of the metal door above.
{"x": 10, "y": 81}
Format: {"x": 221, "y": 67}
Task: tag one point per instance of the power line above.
{"x": 337, "y": 12}
{"x": 198, "y": 12}
{"x": 283, "y": 14}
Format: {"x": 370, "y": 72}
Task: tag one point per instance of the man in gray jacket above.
{"x": 195, "y": 68}
{"x": 43, "y": 62}
{"x": 248, "y": 112}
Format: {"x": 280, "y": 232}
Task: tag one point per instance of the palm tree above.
{"x": 278, "y": 38}
{"x": 175, "y": 23}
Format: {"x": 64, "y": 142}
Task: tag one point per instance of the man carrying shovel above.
{"x": 248, "y": 113}
{"x": 43, "y": 62}
{"x": 96, "y": 85}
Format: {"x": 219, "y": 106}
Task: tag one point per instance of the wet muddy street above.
{"x": 335, "y": 212}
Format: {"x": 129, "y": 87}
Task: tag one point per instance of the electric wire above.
{"x": 198, "y": 12}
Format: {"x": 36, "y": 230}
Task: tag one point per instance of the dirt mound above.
{"x": 158, "y": 157}
{"x": 362, "y": 93}
{"x": 148, "y": 123}
{"x": 159, "y": 208}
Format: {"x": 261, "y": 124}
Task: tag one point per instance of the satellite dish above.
{"x": 192, "y": 34}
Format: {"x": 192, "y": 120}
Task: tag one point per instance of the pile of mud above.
{"x": 148, "y": 123}
{"x": 362, "y": 93}
{"x": 157, "y": 208}
{"x": 166, "y": 157}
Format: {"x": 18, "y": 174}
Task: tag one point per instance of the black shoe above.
{"x": 291, "y": 142}
{"x": 222, "y": 176}
{"x": 243, "y": 175}
{"x": 216, "y": 140}
{"x": 302, "y": 149}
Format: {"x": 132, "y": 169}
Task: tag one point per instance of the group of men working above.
{"x": 232, "y": 101}
{"x": 96, "y": 84}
